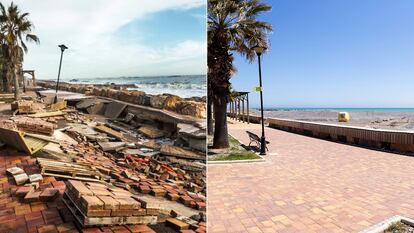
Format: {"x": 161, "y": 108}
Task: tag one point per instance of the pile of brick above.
{"x": 102, "y": 205}
{"x": 34, "y": 125}
{"x": 146, "y": 176}
{"x": 28, "y": 186}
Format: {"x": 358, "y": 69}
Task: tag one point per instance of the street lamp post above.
{"x": 259, "y": 51}
{"x": 62, "y": 48}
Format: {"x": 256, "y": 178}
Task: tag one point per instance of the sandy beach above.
{"x": 372, "y": 119}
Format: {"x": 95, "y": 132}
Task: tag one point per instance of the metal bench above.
{"x": 256, "y": 139}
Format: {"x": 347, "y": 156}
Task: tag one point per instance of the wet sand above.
{"x": 371, "y": 119}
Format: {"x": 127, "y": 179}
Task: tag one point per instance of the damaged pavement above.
{"x": 100, "y": 165}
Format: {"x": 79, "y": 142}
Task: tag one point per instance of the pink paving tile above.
{"x": 322, "y": 185}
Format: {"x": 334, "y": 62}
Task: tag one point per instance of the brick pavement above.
{"x": 310, "y": 185}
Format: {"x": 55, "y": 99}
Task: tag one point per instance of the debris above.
{"x": 14, "y": 171}
{"x": 21, "y": 141}
{"x": 49, "y": 194}
{"x": 31, "y": 125}
{"x": 35, "y": 178}
{"x": 129, "y": 117}
{"x": 151, "y": 132}
{"x": 23, "y": 106}
{"x": 21, "y": 178}
{"x": 181, "y": 152}
{"x": 177, "y": 224}
{"x": 50, "y": 167}
{"x": 96, "y": 109}
{"x": 58, "y": 106}
{"x": 22, "y": 191}
{"x": 111, "y": 146}
{"x": 114, "y": 109}
{"x": 47, "y": 114}
{"x": 32, "y": 197}
{"x": 109, "y": 131}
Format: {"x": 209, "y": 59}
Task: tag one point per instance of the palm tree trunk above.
{"x": 16, "y": 84}
{"x": 209, "y": 117}
{"x": 221, "y": 139}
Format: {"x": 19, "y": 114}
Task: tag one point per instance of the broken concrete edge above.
{"x": 384, "y": 225}
{"x": 173, "y": 116}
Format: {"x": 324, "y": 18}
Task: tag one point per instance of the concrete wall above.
{"x": 393, "y": 140}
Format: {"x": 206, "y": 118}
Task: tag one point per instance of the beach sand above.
{"x": 372, "y": 119}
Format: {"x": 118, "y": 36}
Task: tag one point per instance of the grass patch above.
{"x": 235, "y": 152}
{"x": 237, "y": 156}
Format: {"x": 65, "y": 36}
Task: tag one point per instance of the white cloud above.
{"x": 87, "y": 27}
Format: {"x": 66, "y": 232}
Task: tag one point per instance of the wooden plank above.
{"x": 109, "y": 131}
{"x": 47, "y": 114}
{"x": 21, "y": 141}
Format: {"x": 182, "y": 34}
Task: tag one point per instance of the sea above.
{"x": 340, "y": 109}
{"x": 182, "y": 85}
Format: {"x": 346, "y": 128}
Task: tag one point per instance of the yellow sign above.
{"x": 257, "y": 89}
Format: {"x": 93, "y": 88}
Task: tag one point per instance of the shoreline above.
{"x": 194, "y": 106}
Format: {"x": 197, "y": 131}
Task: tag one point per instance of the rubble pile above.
{"x": 119, "y": 167}
{"x": 34, "y": 125}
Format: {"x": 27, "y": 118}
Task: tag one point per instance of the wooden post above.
{"x": 243, "y": 109}
{"x": 248, "y": 117}
{"x": 34, "y": 79}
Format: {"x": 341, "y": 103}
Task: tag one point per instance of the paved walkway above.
{"x": 310, "y": 185}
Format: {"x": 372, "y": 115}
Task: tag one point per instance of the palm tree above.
{"x": 232, "y": 27}
{"x": 14, "y": 26}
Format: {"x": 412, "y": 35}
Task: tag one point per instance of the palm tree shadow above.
{"x": 250, "y": 148}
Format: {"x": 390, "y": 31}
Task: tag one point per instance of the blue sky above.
{"x": 109, "y": 38}
{"x": 335, "y": 54}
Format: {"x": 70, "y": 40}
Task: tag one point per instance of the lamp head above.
{"x": 62, "y": 47}
{"x": 259, "y": 49}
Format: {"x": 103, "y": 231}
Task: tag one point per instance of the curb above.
{"x": 382, "y": 226}
{"x": 261, "y": 160}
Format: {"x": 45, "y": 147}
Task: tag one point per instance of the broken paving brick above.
{"x": 35, "y": 178}
{"x": 21, "y": 178}
{"x": 158, "y": 192}
{"x": 22, "y": 191}
{"x": 173, "y": 196}
{"x": 186, "y": 200}
{"x": 144, "y": 189}
{"x": 201, "y": 206}
{"x": 32, "y": 197}
{"x": 49, "y": 194}
{"x": 14, "y": 171}
{"x": 177, "y": 224}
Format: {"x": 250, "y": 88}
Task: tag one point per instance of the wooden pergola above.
{"x": 237, "y": 108}
{"x": 31, "y": 73}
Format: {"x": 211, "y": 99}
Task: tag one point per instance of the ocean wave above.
{"x": 183, "y": 86}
